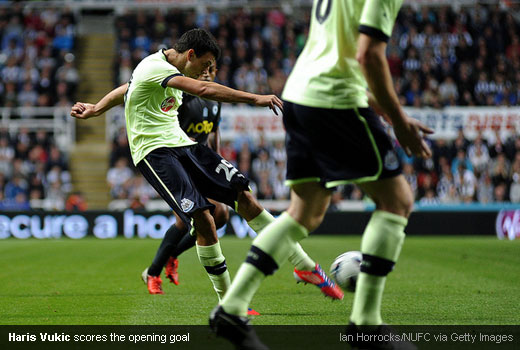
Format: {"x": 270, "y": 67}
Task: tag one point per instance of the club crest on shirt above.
{"x": 391, "y": 161}
{"x": 186, "y": 205}
{"x": 168, "y": 104}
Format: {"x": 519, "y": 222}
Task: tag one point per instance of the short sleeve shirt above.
{"x": 151, "y": 108}
{"x": 327, "y": 74}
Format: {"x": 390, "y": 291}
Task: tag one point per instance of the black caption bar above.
{"x": 276, "y": 337}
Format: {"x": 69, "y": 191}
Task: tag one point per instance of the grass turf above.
{"x": 438, "y": 280}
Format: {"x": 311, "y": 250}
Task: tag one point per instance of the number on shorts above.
{"x": 228, "y": 168}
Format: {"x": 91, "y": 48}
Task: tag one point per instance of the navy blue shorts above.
{"x": 186, "y": 177}
{"x": 337, "y": 146}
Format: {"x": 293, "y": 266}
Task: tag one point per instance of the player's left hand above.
{"x": 410, "y": 134}
{"x": 271, "y": 101}
{"x": 82, "y": 110}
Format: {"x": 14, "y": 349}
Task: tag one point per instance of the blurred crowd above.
{"x": 438, "y": 57}
{"x": 484, "y": 170}
{"x": 36, "y": 57}
{"x": 34, "y": 173}
{"x": 469, "y": 57}
{"x": 36, "y": 70}
{"x": 460, "y": 171}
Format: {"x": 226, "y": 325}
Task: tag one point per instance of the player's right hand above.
{"x": 82, "y": 110}
{"x": 410, "y": 135}
{"x": 271, "y": 101}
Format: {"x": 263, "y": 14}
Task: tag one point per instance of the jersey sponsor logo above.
{"x": 391, "y": 161}
{"x": 186, "y": 205}
{"x": 214, "y": 110}
{"x": 199, "y": 128}
{"x": 168, "y": 104}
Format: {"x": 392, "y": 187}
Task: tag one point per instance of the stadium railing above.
{"x": 56, "y": 120}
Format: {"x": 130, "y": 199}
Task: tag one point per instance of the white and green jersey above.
{"x": 151, "y": 108}
{"x": 326, "y": 74}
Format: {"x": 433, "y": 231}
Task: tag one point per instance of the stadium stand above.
{"x": 438, "y": 56}
{"x": 37, "y": 69}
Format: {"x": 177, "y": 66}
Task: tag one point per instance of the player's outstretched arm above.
{"x": 221, "y": 93}
{"x": 115, "y": 97}
{"x": 372, "y": 59}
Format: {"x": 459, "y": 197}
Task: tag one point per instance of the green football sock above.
{"x": 262, "y": 220}
{"x": 383, "y": 238}
{"x": 213, "y": 260}
{"x": 277, "y": 241}
{"x": 299, "y": 259}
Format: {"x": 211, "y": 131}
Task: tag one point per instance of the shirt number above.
{"x": 228, "y": 168}
{"x": 322, "y": 17}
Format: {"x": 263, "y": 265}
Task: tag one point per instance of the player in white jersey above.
{"x": 183, "y": 172}
{"x": 333, "y": 138}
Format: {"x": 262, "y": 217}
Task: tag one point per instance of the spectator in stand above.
{"x": 478, "y": 154}
{"x": 485, "y": 188}
{"x": 500, "y": 168}
{"x": 117, "y": 178}
{"x": 6, "y": 156}
{"x": 120, "y": 148}
{"x": 55, "y": 195}
{"x": 446, "y": 190}
{"x": 19, "y": 203}
{"x": 448, "y": 89}
{"x": 426, "y": 186}
{"x": 281, "y": 191}
{"x": 461, "y": 159}
{"x": 57, "y": 175}
{"x": 75, "y": 202}
{"x": 500, "y": 193}
{"x": 465, "y": 183}
{"x": 265, "y": 189}
{"x": 15, "y": 186}
{"x": 514, "y": 189}
{"x": 429, "y": 198}
{"x": 262, "y": 165}
{"x": 141, "y": 190}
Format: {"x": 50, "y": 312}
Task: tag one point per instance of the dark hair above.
{"x": 200, "y": 40}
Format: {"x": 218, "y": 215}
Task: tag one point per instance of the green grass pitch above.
{"x": 438, "y": 280}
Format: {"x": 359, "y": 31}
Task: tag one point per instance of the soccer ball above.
{"x": 345, "y": 269}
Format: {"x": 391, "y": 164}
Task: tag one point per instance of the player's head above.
{"x": 200, "y": 49}
{"x": 209, "y": 74}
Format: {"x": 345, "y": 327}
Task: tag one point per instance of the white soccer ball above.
{"x": 345, "y": 269}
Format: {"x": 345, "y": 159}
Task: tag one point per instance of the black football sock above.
{"x": 169, "y": 243}
{"x": 187, "y": 242}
